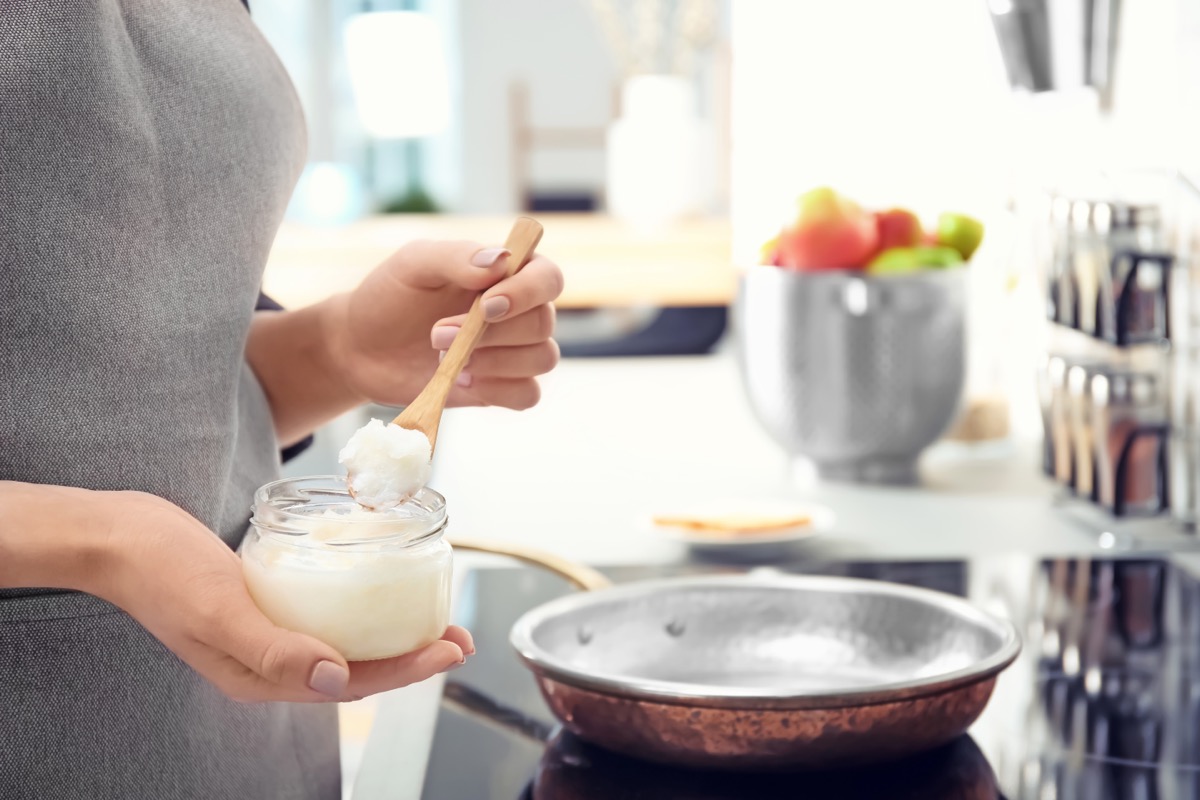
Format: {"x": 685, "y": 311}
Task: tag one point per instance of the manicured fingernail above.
{"x": 442, "y": 336}
{"x": 495, "y": 307}
{"x": 329, "y": 679}
{"x": 488, "y": 257}
{"x": 463, "y": 379}
{"x": 453, "y": 667}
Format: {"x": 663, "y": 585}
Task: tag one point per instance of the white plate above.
{"x": 821, "y": 519}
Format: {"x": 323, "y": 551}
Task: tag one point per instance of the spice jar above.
{"x": 1129, "y": 418}
{"x": 371, "y": 584}
{"x": 1045, "y": 402}
{"x": 1087, "y": 263}
{"x": 1059, "y": 418}
{"x": 1140, "y": 300}
{"x": 1057, "y": 254}
{"x": 1122, "y": 242}
{"x": 1185, "y": 434}
{"x": 1079, "y": 412}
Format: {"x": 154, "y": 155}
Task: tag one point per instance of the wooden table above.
{"x": 606, "y": 263}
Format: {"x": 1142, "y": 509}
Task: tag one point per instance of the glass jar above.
{"x": 371, "y": 584}
{"x": 1129, "y": 414}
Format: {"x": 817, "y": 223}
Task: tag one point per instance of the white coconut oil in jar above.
{"x": 371, "y": 584}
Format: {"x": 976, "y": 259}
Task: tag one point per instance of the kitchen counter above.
{"x": 615, "y": 441}
{"x": 606, "y": 263}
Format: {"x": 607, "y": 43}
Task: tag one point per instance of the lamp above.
{"x": 401, "y": 85}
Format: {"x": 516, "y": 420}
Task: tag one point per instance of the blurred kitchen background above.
{"x": 663, "y": 141}
{"x": 1047, "y": 393}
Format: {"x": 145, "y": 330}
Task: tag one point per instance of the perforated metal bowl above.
{"x": 857, "y": 374}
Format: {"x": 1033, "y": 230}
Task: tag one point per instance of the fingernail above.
{"x": 329, "y": 679}
{"x": 463, "y": 379}
{"x": 454, "y": 666}
{"x": 442, "y": 336}
{"x": 488, "y": 257}
{"x": 495, "y": 307}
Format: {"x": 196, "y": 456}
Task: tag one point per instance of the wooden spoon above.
{"x": 424, "y": 414}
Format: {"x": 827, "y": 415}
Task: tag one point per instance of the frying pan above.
{"x": 571, "y": 769}
{"x": 758, "y": 673}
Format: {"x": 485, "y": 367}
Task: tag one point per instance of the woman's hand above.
{"x": 382, "y": 341}
{"x": 388, "y": 333}
{"x": 185, "y": 586}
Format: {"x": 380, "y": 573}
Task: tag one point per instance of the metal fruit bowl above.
{"x": 857, "y": 374}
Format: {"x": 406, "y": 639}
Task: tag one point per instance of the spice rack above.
{"x": 1116, "y": 379}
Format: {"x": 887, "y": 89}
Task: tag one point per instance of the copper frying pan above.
{"x": 756, "y": 673}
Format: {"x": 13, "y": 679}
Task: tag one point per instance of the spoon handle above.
{"x": 425, "y": 412}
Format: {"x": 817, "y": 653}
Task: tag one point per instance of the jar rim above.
{"x": 271, "y": 518}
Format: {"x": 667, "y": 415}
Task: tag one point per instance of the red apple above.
{"x": 830, "y": 232}
{"x": 898, "y": 227}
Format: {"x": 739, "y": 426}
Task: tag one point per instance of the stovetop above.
{"x": 1103, "y": 703}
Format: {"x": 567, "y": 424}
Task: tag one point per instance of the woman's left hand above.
{"x": 388, "y": 333}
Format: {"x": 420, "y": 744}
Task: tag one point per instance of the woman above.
{"x": 147, "y": 151}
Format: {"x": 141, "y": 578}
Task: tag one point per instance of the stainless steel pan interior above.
{"x": 779, "y": 642}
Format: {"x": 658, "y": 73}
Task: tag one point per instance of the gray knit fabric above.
{"x": 147, "y": 150}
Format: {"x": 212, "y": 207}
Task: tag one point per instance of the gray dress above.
{"x": 147, "y": 151}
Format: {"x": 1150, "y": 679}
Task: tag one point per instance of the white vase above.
{"x": 659, "y": 162}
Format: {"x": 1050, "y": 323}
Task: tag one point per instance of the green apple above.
{"x": 905, "y": 260}
{"x": 769, "y": 252}
{"x": 961, "y": 232}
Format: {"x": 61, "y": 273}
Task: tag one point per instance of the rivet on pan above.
{"x": 675, "y": 628}
{"x": 584, "y": 636}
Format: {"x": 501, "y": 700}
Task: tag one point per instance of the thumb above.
{"x": 468, "y": 265}
{"x": 302, "y": 666}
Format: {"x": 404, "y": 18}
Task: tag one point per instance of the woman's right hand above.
{"x": 185, "y": 586}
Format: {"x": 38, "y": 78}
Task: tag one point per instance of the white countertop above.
{"x": 617, "y": 440}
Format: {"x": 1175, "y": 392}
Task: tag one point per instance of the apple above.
{"x": 830, "y": 232}
{"x": 905, "y": 260}
{"x": 769, "y": 252}
{"x": 961, "y": 232}
{"x": 898, "y": 227}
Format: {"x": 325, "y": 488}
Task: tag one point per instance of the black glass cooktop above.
{"x": 1104, "y": 702}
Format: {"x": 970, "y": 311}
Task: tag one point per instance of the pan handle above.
{"x": 581, "y": 575}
